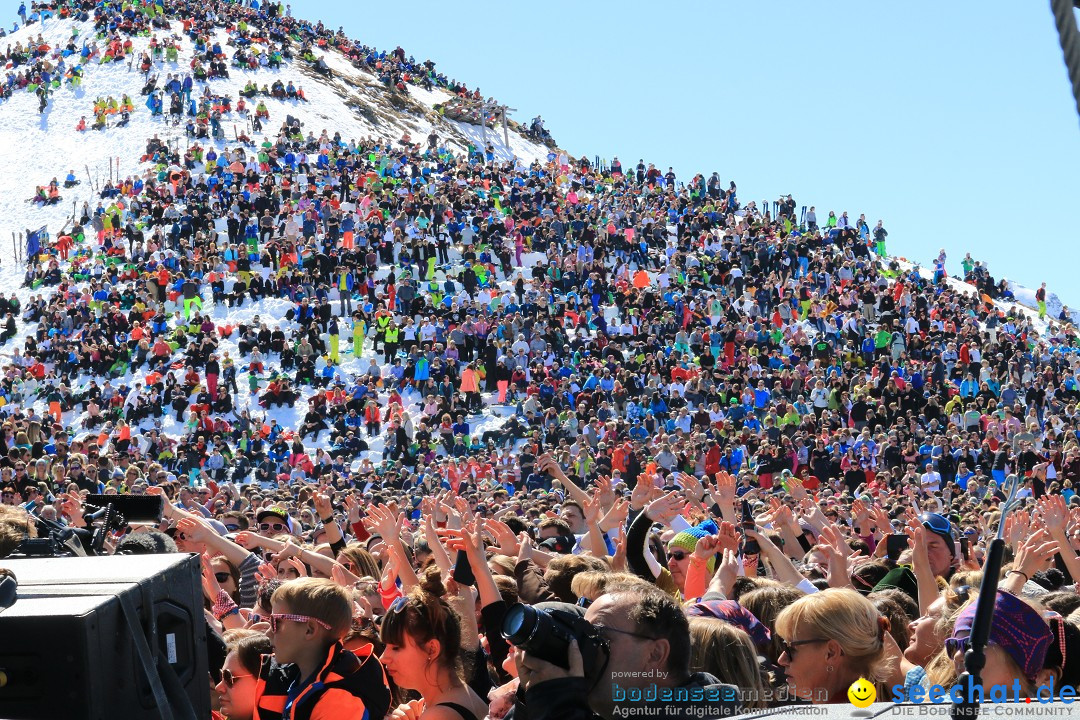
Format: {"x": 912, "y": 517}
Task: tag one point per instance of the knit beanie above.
{"x": 687, "y": 540}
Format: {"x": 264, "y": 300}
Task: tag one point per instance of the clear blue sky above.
{"x": 951, "y": 121}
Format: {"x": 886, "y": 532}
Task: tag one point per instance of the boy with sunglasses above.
{"x": 310, "y": 673}
{"x": 273, "y": 521}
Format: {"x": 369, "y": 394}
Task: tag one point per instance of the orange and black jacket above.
{"x": 348, "y": 685}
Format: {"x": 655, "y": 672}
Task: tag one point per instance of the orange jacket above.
{"x": 349, "y": 685}
{"x": 470, "y": 380}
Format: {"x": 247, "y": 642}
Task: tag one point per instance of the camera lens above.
{"x": 542, "y": 633}
{"x": 520, "y": 624}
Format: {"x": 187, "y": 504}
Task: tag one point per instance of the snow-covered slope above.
{"x": 38, "y": 147}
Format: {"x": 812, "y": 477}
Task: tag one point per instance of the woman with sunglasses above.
{"x": 830, "y": 639}
{"x": 236, "y": 691}
{"x": 227, "y": 576}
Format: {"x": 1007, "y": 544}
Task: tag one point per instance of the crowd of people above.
{"x": 397, "y": 395}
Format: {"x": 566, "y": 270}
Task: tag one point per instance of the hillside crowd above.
{"x": 390, "y": 391}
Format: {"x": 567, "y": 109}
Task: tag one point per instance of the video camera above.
{"x": 111, "y": 512}
{"x": 117, "y": 511}
{"x": 546, "y": 633}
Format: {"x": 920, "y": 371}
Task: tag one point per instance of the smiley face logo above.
{"x": 862, "y": 693}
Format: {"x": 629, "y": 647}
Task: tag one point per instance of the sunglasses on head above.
{"x": 229, "y": 679}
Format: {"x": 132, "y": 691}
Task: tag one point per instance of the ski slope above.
{"x": 40, "y": 147}
{"x": 46, "y": 146}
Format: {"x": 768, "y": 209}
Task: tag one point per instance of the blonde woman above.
{"x": 721, "y": 649}
{"x": 830, "y": 639}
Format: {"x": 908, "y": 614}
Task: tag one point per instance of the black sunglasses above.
{"x": 790, "y": 647}
{"x": 222, "y": 577}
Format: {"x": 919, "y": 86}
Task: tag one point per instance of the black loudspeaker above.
{"x": 104, "y": 638}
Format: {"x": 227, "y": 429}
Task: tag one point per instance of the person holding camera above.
{"x": 630, "y": 654}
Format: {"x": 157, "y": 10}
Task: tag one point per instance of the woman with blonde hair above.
{"x": 721, "y": 649}
{"x": 830, "y": 639}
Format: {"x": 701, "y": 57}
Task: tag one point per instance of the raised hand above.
{"x": 288, "y": 550}
{"x": 196, "y": 529}
{"x": 831, "y": 535}
{"x": 616, "y": 516}
{"x": 323, "y": 506}
{"x": 920, "y": 557}
{"x": 592, "y": 509}
{"x": 607, "y": 492}
{"x": 1054, "y": 513}
{"x": 248, "y": 540}
{"x": 462, "y": 506}
{"x": 813, "y": 514}
{"x": 266, "y": 572}
{"x": 384, "y": 521}
{"x": 727, "y": 537}
{"x": 726, "y": 572}
{"x": 506, "y": 542}
{"x": 837, "y": 568}
{"x": 796, "y": 489}
{"x": 880, "y": 519}
{"x": 618, "y": 560}
{"x": 342, "y": 577}
{"x": 860, "y": 513}
{"x": 71, "y": 506}
{"x": 692, "y": 488}
{"x": 352, "y": 505}
{"x": 1035, "y": 553}
{"x": 725, "y": 488}
{"x": 707, "y": 546}
{"x": 210, "y": 585}
{"x": 297, "y": 565}
{"x": 640, "y": 495}
{"x": 525, "y": 548}
{"x": 665, "y": 508}
{"x": 547, "y": 464}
